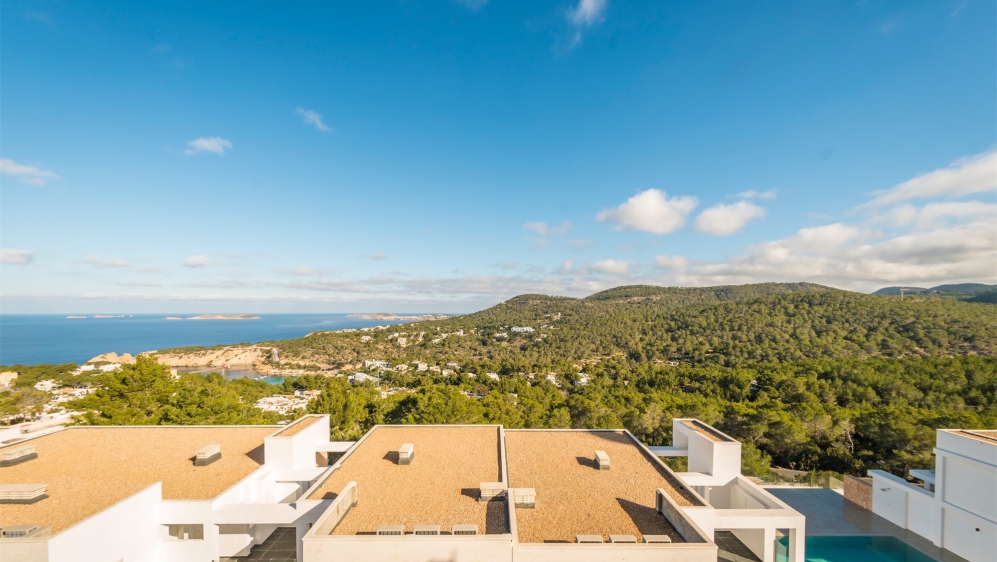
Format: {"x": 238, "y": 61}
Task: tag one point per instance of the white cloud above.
{"x": 17, "y": 257}
{"x": 650, "y": 211}
{"x": 751, "y": 194}
{"x": 566, "y": 267}
{"x": 842, "y": 255}
{"x": 722, "y": 220}
{"x": 976, "y": 174}
{"x": 933, "y": 212}
{"x": 376, "y": 256}
{"x": 311, "y": 117}
{"x": 587, "y": 13}
{"x": 199, "y": 260}
{"x": 111, "y": 262}
{"x": 543, "y": 229}
{"x": 28, "y": 175}
{"x": 671, "y": 262}
{"x": 216, "y": 145}
{"x": 615, "y": 267}
{"x": 304, "y": 271}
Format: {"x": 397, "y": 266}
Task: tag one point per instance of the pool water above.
{"x": 857, "y": 549}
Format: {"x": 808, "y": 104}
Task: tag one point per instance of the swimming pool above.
{"x": 857, "y": 549}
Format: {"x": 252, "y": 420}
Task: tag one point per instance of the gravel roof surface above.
{"x": 985, "y": 435}
{"x": 88, "y": 469}
{"x": 298, "y": 425}
{"x": 440, "y": 487}
{"x": 574, "y": 497}
{"x": 707, "y": 432}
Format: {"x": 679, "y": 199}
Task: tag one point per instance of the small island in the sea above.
{"x": 389, "y": 316}
{"x": 225, "y": 317}
{"x": 75, "y": 316}
{"x": 108, "y": 315}
{"x": 173, "y": 318}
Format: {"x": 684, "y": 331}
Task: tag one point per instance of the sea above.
{"x": 30, "y": 339}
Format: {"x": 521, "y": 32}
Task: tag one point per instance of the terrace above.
{"x": 439, "y": 487}
{"x": 574, "y": 497}
{"x": 130, "y": 459}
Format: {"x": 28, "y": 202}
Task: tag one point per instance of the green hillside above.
{"x": 717, "y": 325}
{"x": 806, "y": 376}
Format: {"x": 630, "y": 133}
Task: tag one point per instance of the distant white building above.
{"x": 522, "y": 329}
{"x": 434, "y": 368}
{"x": 282, "y": 404}
{"x": 361, "y": 377}
{"x": 377, "y": 363}
{"x": 493, "y": 376}
{"x": 46, "y": 385}
{"x": 420, "y": 366}
{"x": 582, "y": 380}
{"x": 552, "y": 379}
{"x": 109, "y": 367}
{"x": 453, "y": 364}
{"x": 365, "y": 339}
{"x": 84, "y": 368}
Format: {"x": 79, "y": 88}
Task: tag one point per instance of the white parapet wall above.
{"x": 904, "y": 504}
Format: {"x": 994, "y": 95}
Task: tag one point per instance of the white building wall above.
{"x": 125, "y": 531}
{"x": 408, "y": 548}
{"x": 970, "y": 485}
{"x": 968, "y": 536}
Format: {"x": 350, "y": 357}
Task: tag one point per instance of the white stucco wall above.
{"x": 408, "y": 548}
{"x": 127, "y": 530}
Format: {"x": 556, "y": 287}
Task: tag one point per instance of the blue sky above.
{"x": 446, "y": 155}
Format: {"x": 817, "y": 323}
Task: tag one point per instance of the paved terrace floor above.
{"x": 828, "y": 513}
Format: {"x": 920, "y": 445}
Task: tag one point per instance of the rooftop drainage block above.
{"x": 22, "y": 493}
{"x": 208, "y": 455}
{"x": 11, "y": 457}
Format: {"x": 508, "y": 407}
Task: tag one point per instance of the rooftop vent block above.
{"x": 651, "y": 539}
{"x": 10, "y": 457}
{"x": 207, "y": 455}
{"x": 602, "y": 459}
{"x": 464, "y": 530}
{"x": 623, "y": 539}
{"x": 590, "y": 539}
{"x": 405, "y": 453}
{"x": 391, "y": 530}
{"x": 22, "y": 493}
{"x": 426, "y": 529}
{"x": 524, "y": 497}
{"x": 21, "y": 531}
{"x": 491, "y": 490}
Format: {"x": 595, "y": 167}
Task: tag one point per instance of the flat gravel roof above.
{"x": 439, "y": 487}
{"x": 88, "y": 469}
{"x": 574, "y": 497}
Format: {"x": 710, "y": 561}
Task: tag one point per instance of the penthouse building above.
{"x": 956, "y": 507}
{"x": 406, "y": 493}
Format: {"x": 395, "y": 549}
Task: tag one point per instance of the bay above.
{"x": 29, "y": 339}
